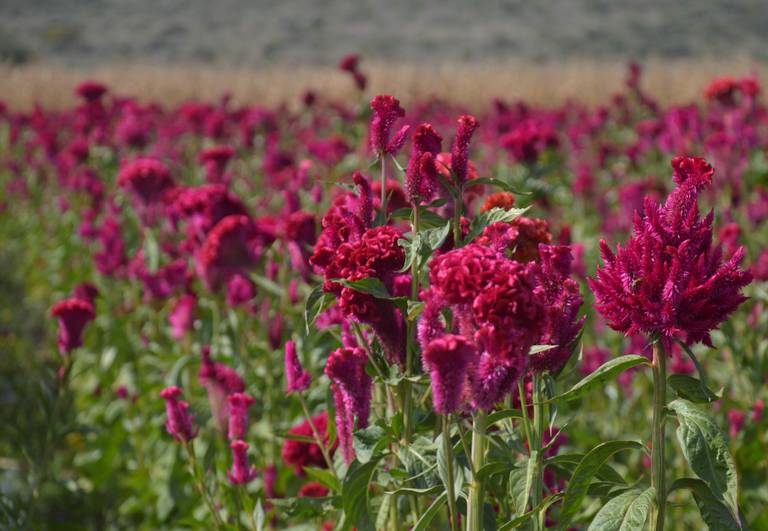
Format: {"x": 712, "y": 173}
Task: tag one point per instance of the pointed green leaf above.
{"x": 714, "y": 513}
{"x": 430, "y": 513}
{"x": 603, "y": 374}
{"x": 691, "y": 389}
{"x": 626, "y": 512}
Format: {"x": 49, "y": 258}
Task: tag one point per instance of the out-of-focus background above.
{"x": 271, "y": 50}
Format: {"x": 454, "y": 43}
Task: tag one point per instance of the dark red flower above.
{"x": 73, "y": 315}
{"x": 386, "y": 111}
{"x": 299, "y": 454}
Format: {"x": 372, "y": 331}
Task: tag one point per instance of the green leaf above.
{"x": 369, "y": 441}
{"x": 324, "y": 476}
{"x": 520, "y": 485}
{"x": 371, "y": 286}
{"x": 691, "y": 389}
{"x": 545, "y": 504}
{"x": 354, "y": 493}
{"x": 536, "y": 349}
{"x": 603, "y": 374}
{"x": 493, "y": 468}
{"x": 498, "y": 183}
{"x": 498, "y": 416}
{"x": 585, "y": 471}
{"x": 706, "y": 451}
{"x": 419, "y": 492}
{"x": 494, "y": 215}
{"x": 714, "y": 513}
{"x": 571, "y": 461}
{"x": 414, "y": 309}
{"x": 268, "y": 285}
{"x": 317, "y": 302}
{"x": 626, "y": 512}
{"x": 259, "y": 516}
{"x": 430, "y": 513}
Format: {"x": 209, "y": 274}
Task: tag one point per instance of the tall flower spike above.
{"x": 386, "y": 111}
{"x": 179, "y": 421}
{"x": 447, "y": 359}
{"x": 352, "y": 392}
{"x": 460, "y": 150}
{"x": 241, "y": 472}
{"x": 419, "y": 186}
{"x": 298, "y": 379}
{"x": 668, "y": 280}
{"x": 238, "y": 414}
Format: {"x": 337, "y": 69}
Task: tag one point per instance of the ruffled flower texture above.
{"x": 669, "y": 281}
{"x": 73, "y": 315}
{"x": 147, "y": 179}
{"x": 352, "y": 389}
{"x": 297, "y": 378}
{"x": 386, "y": 111}
{"x": 447, "y": 359}
{"x": 242, "y": 471}
{"x": 239, "y": 403}
{"x": 347, "y": 249}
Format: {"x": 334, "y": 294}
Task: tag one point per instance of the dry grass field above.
{"x": 471, "y": 85}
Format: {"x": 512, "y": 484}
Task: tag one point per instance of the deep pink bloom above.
{"x": 593, "y": 358}
{"x": 242, "y": 471}
{"x": 562, "y": 303}
{"x": 529, "y": 139}
{"x": 238, "y": 414}
{"x": 297, "y": 378}
{"x": 179, "y": 421}
{"x": 147, "y": 179}
{"x": 447, "y": 359}
{"x": 73, "y": 314}
{"x": 182, "y": 316}
{"x": 736, "y": 419}
{"x": 668, "y": 280}
{"x": 313, "y": 489}
{"x": 421, "y": 176}
{"x": 220, "y": 381}
{"x": 351, "y": 63}
{"x": 352, "y": 392}
{"x": 215, "y": 160}
{"x": 299, "y": 454}
{"x": 86, "y": 291}
{"x": 460, "y": 150}
{"x": 91, "y": 91}
{"x": 240, "y": 291}
{"x": 386, "y": 111}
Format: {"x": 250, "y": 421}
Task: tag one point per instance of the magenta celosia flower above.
{"x": 241, "y": 472}
{"x": 352, "y": 393}
{"x": 215, "y": 160}
{"x": 203, "y": 207}
{"x": 86, "y": 291}
{"x": 736, "y": 420}
{"x": 593, "y": 358}
{"x": 220, "y": 381}
{"x": 497, "y": 304}
{"x": 147, "y": 179}
{"x": 179, "y": 421}
{"x": 111, "y": 258}
{"x": 760, "y": 267}
{"x": 562, "y": 303}
{"x": 313, "y": 489}
{"x": 73, "y": 315}
{"x": 299, "y": 454}
{"x": 669, "y": 281}
{"x": 447, "y": 359}
{"x": 421, "y": 186}
{"x": 386, "y": 111}
{"x": 240, "y": 291}
{"x": 297, "y": 378}
{"x": 460, "y": 150}
{"x": 529, "y": 139}
{"x": 182, "y": 317}
{"x": 90, "y": 90}
{"x": 351, "y": 63}
{"x": 238, "y": 414}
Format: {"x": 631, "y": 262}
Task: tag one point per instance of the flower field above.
{"x": 365, "y": 315}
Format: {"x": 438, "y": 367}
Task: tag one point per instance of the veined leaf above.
{"x": 691, "y": 389}
{"x": 603, "y": 374}
{"x": 714, "y": 513}
{"x": 626, "y": 512}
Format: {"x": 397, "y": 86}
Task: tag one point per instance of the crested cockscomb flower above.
{"x": 421, "y": 186}
{"x": 460, "y": 150}
{"x": 240, "y": 291}
{"x": 300, "y": 454}
{"x": 505, "y": 200}
{"x": 233, "y": 246}
{"x": 147, "y": 179}
{"x": 386, "y": 111}
{"x": 561, "y": 306}
{"x": 215, "y": 160}
{"x": 297, "y": 378}
{"x": 669, "y": 281}
{"x": 529, "y": 139}
{"x": 447, "y": 359}
{"x": 351, "y": 63}
{"x": 179, "y": 420}
{"x": 521, "y": 237}
{"x": 352, "y": 393}
{"x": 86, "y": 291}
{"x": 91, "y": 91}
{"x": 238, "y": 414}
{"x": 241, "y": 472}
{"x": 73, "y": 315}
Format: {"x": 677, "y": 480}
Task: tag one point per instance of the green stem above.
{"x": 200, "y": 483}
{"x": 448, "y": 449}
{"x": 410, "y": 338}
{"x": 535, "y": 446}
{"x": 475, "y": 506}
{"x": 248, "y": 506}
{"x": 457, "y": 204}
{"x": 318, "y": 438}
{"x": 657, "y": 440}
{"x": 384, "y": 189}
